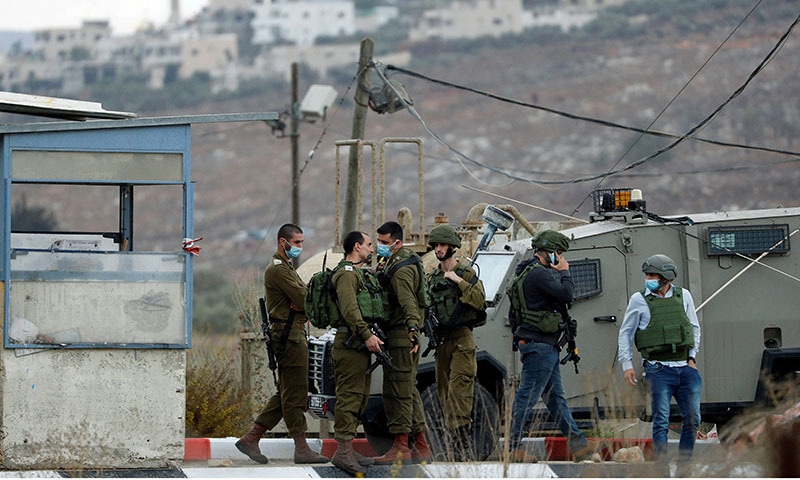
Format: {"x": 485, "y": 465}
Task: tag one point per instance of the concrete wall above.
{"x": 93, "y": 408}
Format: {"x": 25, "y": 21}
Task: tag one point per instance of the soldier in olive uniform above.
{"x": 457, "y": 300}
{"x": 285, "y": 292}
{"x": 350, "y": 363}
{"x": 404, "y": 279}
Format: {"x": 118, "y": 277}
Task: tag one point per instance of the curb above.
{"x": 202, "y": 449}
{"x": 548, "y": 448}
{"x": 197, "y": 449}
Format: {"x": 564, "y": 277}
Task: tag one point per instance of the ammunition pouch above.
{"x": 545, "y": 322}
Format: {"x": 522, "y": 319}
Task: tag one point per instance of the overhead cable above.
{"x": 641, "y": 161}
{"x": 672, "y": 100}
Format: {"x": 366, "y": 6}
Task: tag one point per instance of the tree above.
{"x": 214, "y": 309}
{"x": 25, "y": 218}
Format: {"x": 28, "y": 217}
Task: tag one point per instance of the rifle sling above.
{"x": 286, "y": 329}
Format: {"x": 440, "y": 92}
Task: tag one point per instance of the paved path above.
{"x": 219, "y": 458}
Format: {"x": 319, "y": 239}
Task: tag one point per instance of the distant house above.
{"x": 61, "y": 44}
{"x": 301, "y": 22}
{"x": 471, "y": 19}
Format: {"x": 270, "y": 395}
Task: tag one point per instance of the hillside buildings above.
{"x": 234, "y": 39}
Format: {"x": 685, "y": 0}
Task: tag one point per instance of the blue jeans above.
{"x": 685, "y": 385}
{"x": 541, "y": 376}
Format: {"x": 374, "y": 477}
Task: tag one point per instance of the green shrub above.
{"x": 217, "y": 405}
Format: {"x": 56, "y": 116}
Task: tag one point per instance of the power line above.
{"x": 672, "y": 100}
{"x": 678, "y": 138}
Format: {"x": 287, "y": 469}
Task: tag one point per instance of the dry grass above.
{"x": 216, "y": 402}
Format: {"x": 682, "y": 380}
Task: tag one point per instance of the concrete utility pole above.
{"x": 350, "y": 215}
{"x": 295, "y": 137}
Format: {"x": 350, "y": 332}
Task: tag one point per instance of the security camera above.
{"x": 317, "y": 101}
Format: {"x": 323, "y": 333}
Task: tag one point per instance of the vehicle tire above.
{"x": 485, "y": 424}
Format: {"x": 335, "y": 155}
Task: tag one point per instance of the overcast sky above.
{"x": 124, "y": 15}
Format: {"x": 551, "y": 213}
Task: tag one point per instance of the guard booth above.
{"x": 96, "y": 323}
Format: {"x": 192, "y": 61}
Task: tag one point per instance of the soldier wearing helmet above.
{"x": 458, "y": 302}
{"x": 537, "y": 300}
{"x": 661, "y": 321}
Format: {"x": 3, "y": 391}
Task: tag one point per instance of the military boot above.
{"x": 592, "y": 447}
{"x": 399, "y": 451}
{"x": 362, "y": 460}
{"x": 248, "y": 444}
{"x": 420, "y": 450}
{"x": 303, "y": 453}
{"x": 345, "y": 460}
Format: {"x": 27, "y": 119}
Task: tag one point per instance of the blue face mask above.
{"x": 293, "y": 252}
{"x": 384, "y": 251}
{"x": 651, "y": 285}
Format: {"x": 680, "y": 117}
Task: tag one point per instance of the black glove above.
{"x": 413, "y": 336}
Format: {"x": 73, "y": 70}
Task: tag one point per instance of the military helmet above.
{"x": 444, "y": 234}
{"x": 662, "y": 265}
{"x": 551, "y": 241}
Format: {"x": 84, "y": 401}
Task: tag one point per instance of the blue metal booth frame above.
{"x": 90, "y": 289}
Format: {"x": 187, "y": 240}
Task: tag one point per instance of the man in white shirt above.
{"x": 662, "y": 322}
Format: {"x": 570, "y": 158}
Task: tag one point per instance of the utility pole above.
{"x": 350, "y": 216}
{"x": 295, "y": 136}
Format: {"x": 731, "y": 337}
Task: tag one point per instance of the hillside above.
{"x": 242, "y": 171}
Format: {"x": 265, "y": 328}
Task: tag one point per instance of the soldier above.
{"x": 458, "y": 302}
{"x": 404, "y": 279}
{"x": 350, "y": 361}
{"x": 536, "y": 334}
{"x": 285, "y": 292}
{"x": 653, "y": 317}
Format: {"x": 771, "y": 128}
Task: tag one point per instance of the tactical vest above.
{"x": 370, "y": 297}
{"x": 668, "y": 336}
{"x": 544, "y": 321}
{"x": 446, "y": 304}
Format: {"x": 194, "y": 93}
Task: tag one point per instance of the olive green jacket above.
{"x": 404, "y": 311}
{"x": 283, "y": 287}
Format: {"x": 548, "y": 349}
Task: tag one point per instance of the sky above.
{"x": 124, "y": 16}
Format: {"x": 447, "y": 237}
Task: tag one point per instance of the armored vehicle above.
{"x": 739, "y": 267}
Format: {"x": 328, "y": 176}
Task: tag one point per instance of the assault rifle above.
{"x": 273, "y": 362}
{"x": 429, "y": 327}
{"x": 381, "y": 358}
{"x": 568, "y": 334}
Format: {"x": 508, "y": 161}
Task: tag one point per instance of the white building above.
{"x": 58, "y": 44}
{"x": 471, "y": 19}
{"x": 301, "y": 21}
